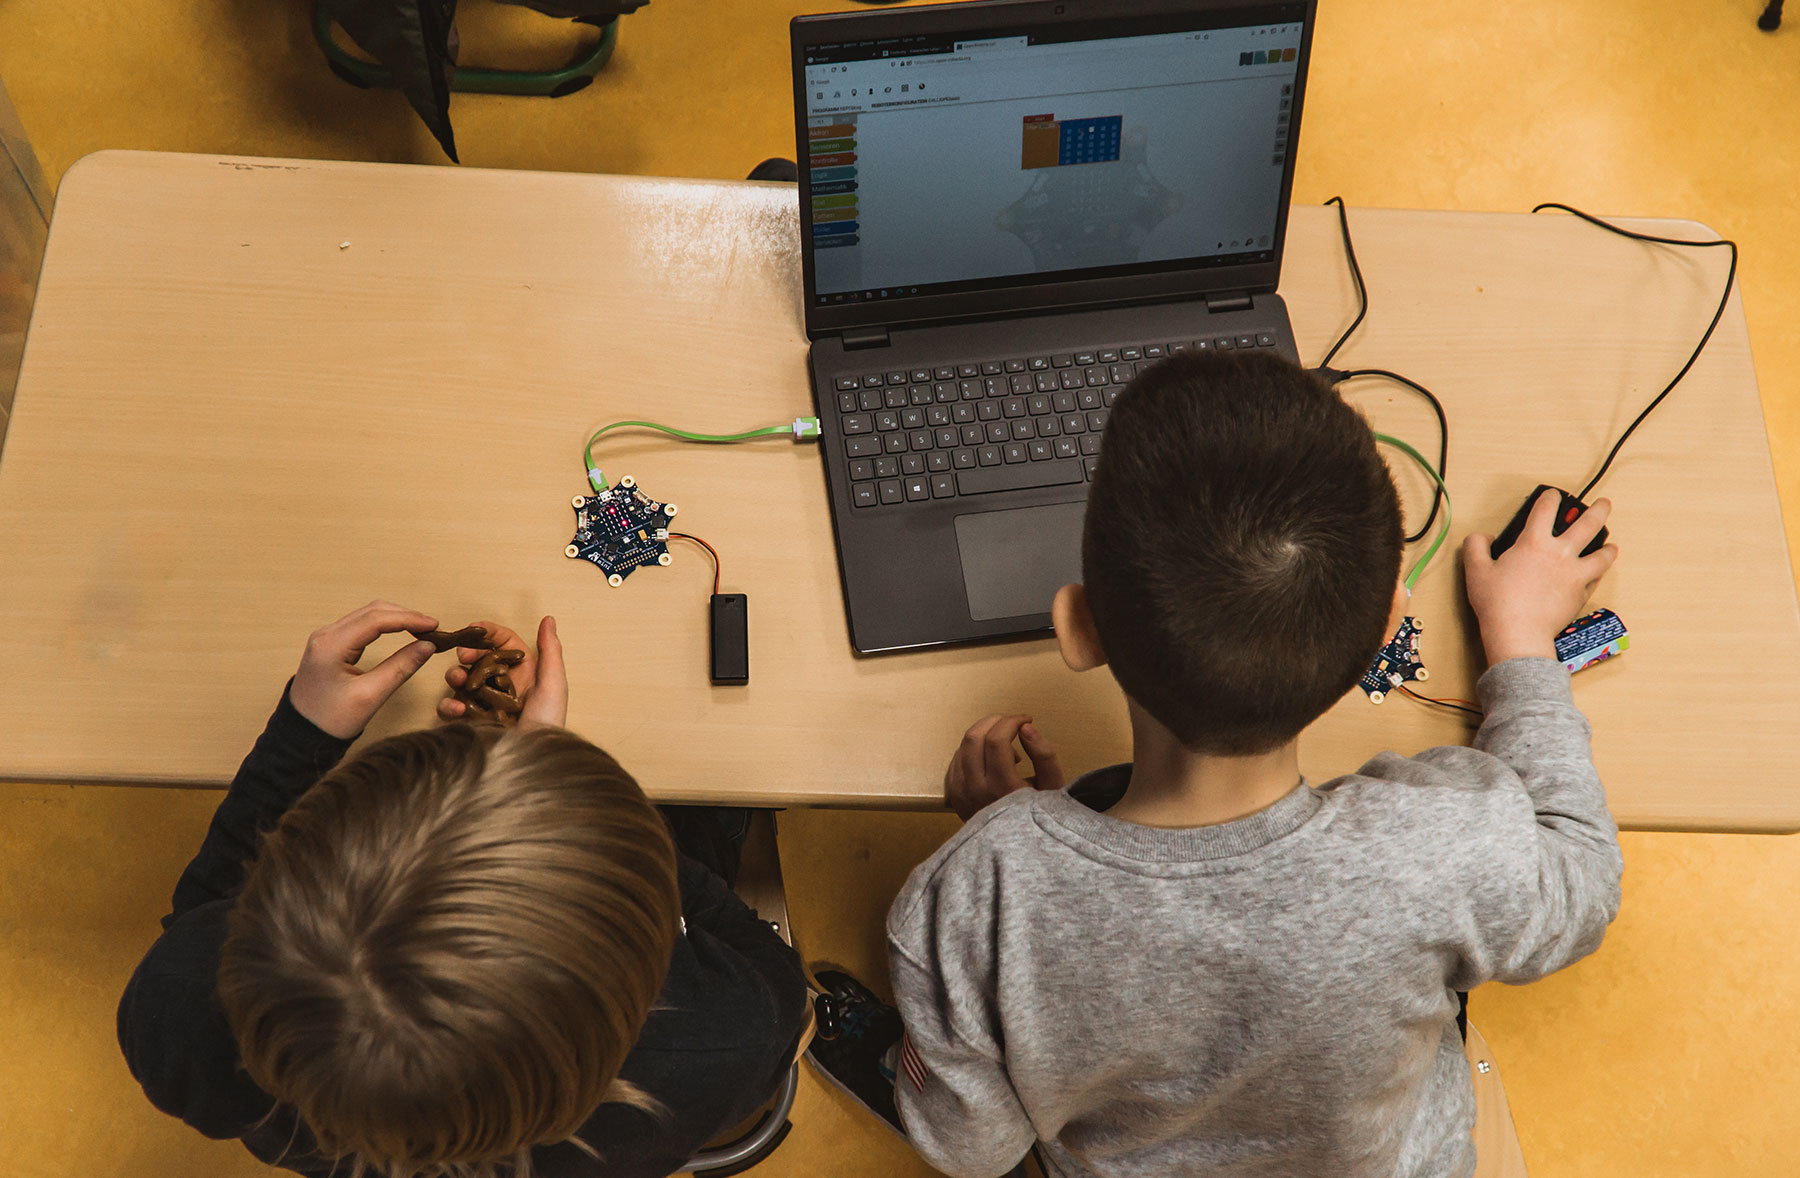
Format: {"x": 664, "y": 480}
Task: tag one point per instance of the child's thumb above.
{"x": 1478, "y": 550}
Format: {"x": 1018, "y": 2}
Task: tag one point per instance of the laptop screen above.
{"x": 944, "y": 164}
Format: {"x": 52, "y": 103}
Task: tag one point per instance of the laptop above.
{"x": 1007, "y": 210}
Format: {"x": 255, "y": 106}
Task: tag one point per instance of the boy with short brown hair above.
{"x": 1198, "y": 963}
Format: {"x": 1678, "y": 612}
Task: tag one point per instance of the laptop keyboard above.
{"x": 977, "y": 427}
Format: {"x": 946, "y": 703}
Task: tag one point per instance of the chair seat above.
{"x": 1497, "y": 1150}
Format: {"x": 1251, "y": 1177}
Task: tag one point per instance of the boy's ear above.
{"x": 1076, "y": 636}
{"x": 1402, "y": 602}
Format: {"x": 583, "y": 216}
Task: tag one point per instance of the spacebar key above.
{"x": 1017, "y": 477}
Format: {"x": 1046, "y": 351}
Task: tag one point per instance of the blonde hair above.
{"x": 447, "y": 947}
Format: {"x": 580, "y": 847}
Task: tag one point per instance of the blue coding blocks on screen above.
{"x": 1090, "y": 141}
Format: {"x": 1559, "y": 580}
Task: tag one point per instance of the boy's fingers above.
{"x": 998, "y": 757}
{"x": 1595, "y": 565}
{"x": 1046, "y": 768}
{"x": 353, "y": 634}
{"x": 386, "y": 676}
{"x": 456, "y": 676}
{"x": 1587, "y": 525}
{"x": 1543, "y": 511}
{"x": 969, "y": 752}
{"x": 500, "y": 636}
{"x": 361, "y": 611}
{"x": 979, "y": 728}
{"x": 450, "y": 709}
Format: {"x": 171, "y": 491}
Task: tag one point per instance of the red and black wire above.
{"x": 711, "y": 551}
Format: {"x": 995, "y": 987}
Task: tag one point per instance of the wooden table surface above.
{"x": 257, "y": 393}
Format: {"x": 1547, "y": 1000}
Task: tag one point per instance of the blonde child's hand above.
{"x": 337, "y": 696}
{"x": 1538, "y": 586}
{"x": 985, "y": 767}
{"x": 541, "y": 680}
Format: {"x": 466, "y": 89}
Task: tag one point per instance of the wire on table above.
{"x": 1437, "y": 407}
{"x": 1724, "y": 299}
{"x": 1463, "y": 705}
{"x": 1418, "y": 569}
{"x": 1362, "y": 292}
{"x": 709, "y": 548}
{"x": 1336, "y": 376}
{"x": 598, "y": 480}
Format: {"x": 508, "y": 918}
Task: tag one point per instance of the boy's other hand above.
{"x": 985, "y": 767}
{"x": 1538, "y": 586}
{"x": 540, "y": 680}
{"x": 332, "y": 692}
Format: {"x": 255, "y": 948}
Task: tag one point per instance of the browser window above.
{"x": 940, "y": 164}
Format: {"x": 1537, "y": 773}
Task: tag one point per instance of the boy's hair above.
{"x": 1240, "y": 550}
{"x": 448, "y": 945}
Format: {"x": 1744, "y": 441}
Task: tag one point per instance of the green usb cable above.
{"x": 1418, "y": 570}
{"x": 802, "y": 429}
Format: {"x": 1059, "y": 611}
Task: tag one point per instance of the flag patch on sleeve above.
{"x": 911, "y": 1064}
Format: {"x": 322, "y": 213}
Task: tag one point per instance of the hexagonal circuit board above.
{"x": 620, "y": 529}
{"x": 1396, "y": 663}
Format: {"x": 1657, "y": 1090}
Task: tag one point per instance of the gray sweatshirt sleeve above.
{"x": 1534, "y": 728}
{"x": 1539, "y": 847}
{"x": 954, "y": 1095}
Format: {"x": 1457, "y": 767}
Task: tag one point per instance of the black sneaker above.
{"x": 857, "y": 1039}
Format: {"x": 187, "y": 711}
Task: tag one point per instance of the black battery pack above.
{"x": 730, "y": 639}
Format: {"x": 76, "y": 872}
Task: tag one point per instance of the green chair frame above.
{"x": 575, "y": 76}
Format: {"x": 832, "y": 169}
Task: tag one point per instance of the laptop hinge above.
{"x": 857, "y": 338}
{"x": 1228, "y": 302}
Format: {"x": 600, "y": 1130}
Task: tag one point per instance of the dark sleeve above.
{"x": 712, "y": 910}
{"x": 174, "y": 1034}
{"x": 290, "y": 755}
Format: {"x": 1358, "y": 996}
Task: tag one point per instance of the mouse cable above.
{"x": 1418, "y": 569}
{"x": 802, "y": 429}
{"x": 714, "y": 552}
{"x": 1362, "y": 292}
{"x": 1461, "y": 705}
{"x": 1339, "y": 375}
{"x": 1724, "y": 299}
{"x": 1335, "y": 376}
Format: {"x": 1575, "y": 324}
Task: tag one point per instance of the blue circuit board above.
{"x": 1396, "y": 663}
{"x": 620, "y": 529}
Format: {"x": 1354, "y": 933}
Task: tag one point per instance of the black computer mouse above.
{"x": 1566, "y": 513}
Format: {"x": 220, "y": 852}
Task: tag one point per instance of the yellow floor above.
{"x": 1675, "y": 1050}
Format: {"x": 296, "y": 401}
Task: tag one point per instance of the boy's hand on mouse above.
{"x": 985, "y": 767}
{"x": 540, "y": 680}
{"x": 332, "y": 692}
{"x": 1524, "y": 599}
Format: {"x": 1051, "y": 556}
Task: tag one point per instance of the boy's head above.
{"x": 1241, "y": 549}
{"x": 447, "y": 947}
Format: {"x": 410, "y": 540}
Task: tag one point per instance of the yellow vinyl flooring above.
{"x": 1673, "y": 1051}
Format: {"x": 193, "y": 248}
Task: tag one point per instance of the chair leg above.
{"x": 1770, "y": 20}
{"x": 1497, "y": 1150}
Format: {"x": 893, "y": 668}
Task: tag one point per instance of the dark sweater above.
{"x": 714, "y": 1048}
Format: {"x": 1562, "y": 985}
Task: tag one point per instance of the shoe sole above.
{"x": 821, "y": 1071}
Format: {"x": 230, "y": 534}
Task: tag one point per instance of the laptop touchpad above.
{"x": 1014, "y": 561}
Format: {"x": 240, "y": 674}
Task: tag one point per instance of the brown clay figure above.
{"x": 471, "y": 636}
{"x": 487, "y": 693}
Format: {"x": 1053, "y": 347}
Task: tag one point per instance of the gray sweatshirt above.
{"x": 1270, "y": 996}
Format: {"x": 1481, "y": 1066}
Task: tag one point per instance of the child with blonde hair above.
{"x": 467, "y": 951}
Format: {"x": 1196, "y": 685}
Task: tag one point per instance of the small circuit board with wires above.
{"x": 1396, "y": 664}
{"x": 620, "y": 529}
